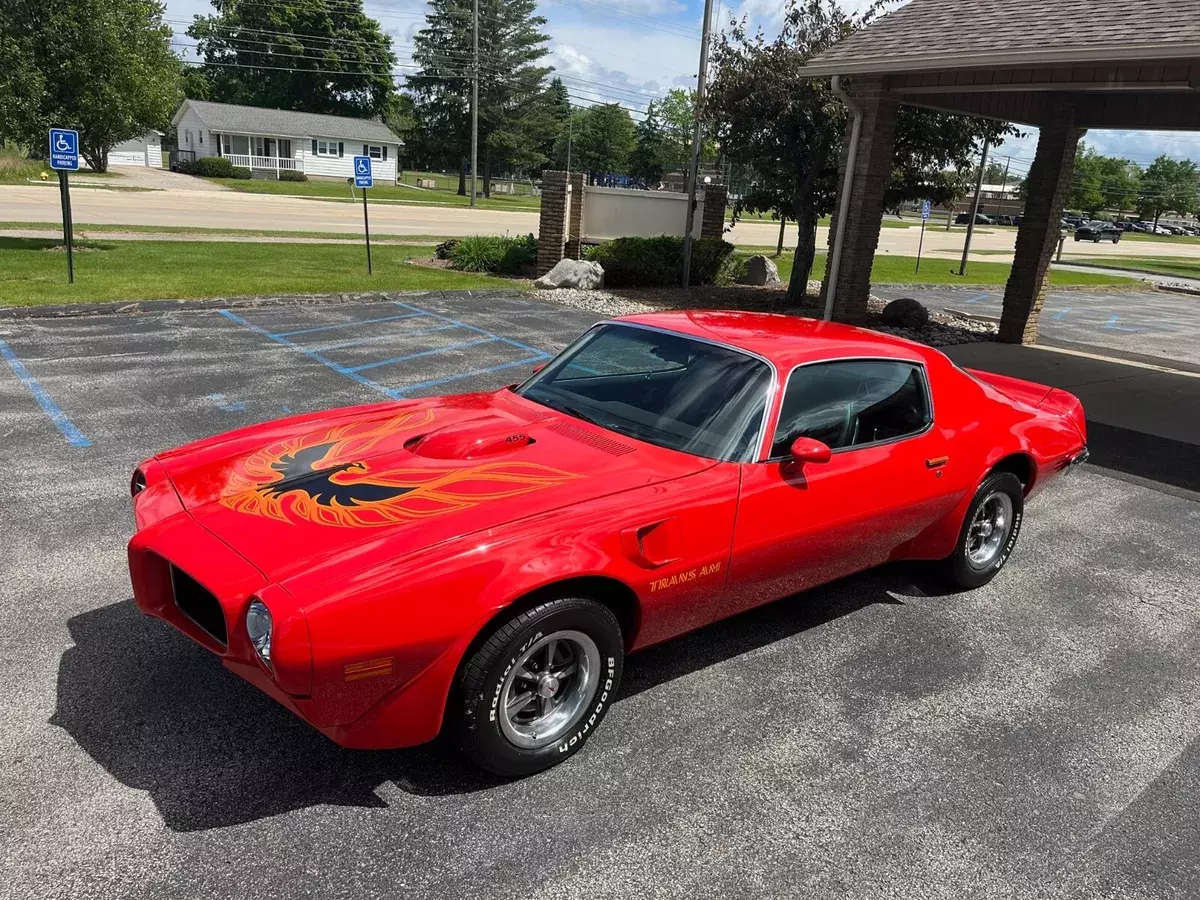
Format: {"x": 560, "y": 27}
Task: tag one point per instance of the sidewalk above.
{"x": 1143, "y": 417}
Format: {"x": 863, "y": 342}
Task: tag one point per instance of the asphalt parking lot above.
{"x": 1151, "y": 323}
{"x": 875, "y": 738}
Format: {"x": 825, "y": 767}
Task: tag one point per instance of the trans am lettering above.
{"x": 322, "y": 478}
{"x": 663, "y": 584}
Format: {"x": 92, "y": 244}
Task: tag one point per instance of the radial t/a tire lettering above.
{"x": 538, "y": 687}
{"x": 989, "y": 532}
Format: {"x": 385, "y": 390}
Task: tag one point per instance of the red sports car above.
{"x": 484, "y": 562}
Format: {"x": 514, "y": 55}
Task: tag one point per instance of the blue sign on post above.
{"x": 362, "y": 171}
{"x": 926, "y": 209}
{"x": 64, "y": 149}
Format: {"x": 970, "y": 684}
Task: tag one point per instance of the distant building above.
{"x": 270, "y": 141}
{"x": 141, "y": 151}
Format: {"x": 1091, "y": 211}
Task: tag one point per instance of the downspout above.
{"x": 835, "y": 259}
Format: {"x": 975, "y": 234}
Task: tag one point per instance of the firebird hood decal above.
{"x": 321, "y": 478}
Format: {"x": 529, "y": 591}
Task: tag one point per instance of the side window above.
{"x": 852, "y": 404}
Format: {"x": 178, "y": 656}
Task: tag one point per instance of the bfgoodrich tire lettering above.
{"x": 989, "y": 532}
{"x": 539, "y": 686}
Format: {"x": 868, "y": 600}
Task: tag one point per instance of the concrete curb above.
{"x": 79, "y": 310}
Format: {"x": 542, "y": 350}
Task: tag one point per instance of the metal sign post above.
{"x": 926, "y": 210}
{"x": 64, "y": 158}
{"x": 362, "y": 179}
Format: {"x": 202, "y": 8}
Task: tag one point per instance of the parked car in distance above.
{"x": 965, "y": 219}
{"x": 1098, "y": 231}
{"x": 481, "y": 564}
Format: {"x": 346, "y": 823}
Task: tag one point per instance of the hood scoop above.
{"x": 480, "y": 438}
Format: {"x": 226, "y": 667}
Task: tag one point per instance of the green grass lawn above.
{"x": 397, "y": 193}
{"x": 902, "y": 270}
{"x": 1137, "y": 236}
{"x": 1188, "y": 267}
{"x": 33, "y": 274}
{"x": 150, "y": 230}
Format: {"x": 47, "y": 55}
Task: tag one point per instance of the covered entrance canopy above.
{"x": 1063, "y": 66}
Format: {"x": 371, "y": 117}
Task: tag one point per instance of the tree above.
{"x": 1103, "y": 182}
{"x": 319, "y": 56}
{"x": 786, "y": 128}
{"x": 604, "y": 139}
{"x": 677, "y": 112}
{"x": 1169, "y": 185}
{"x": 518, "y": 114}
{"x": 648, "y": 160}
{"x": 102, "y": 67}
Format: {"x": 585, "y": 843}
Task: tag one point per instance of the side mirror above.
{"x": 808, "y": 450}
{"x": 538, "y": 368}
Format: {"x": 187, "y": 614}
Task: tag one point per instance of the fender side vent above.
{"x": 596, "y": 441}
{"x": 198, "y": 603}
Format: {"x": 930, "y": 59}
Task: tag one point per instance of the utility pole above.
{"x": 962, "y": 269}
{"x": 474, "y": 100}
{"x": 693, "y": 169}
{"x": 1003, "y": 185}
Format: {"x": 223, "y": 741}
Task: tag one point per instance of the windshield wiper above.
{"x": 580, "y": 414}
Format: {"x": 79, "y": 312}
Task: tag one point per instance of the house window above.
{"x": 226, "y": 145}
{"x": 375, "y": 152}
{"x": 327, "y": 148}
{"x": 187, "y": 136}
{"x": 201, "y": 135}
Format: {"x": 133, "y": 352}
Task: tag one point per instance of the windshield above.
{"x": 659, "y": 387}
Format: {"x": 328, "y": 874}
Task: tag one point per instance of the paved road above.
{"x": 876, "y": 738}
{"x": 1153, "y": 323}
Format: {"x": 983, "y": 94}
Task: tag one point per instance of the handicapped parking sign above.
{"x": 64, "y": 149}
{"x": 362, "y": 171}
{"x": 926, "y": 210}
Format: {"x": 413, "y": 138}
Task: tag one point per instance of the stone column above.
{"x": 1046, "y": 190}
{"x": 872, "y": 169}
{"x": 575, "y": 224}
{"x": 712, "y": 223}
{"x": 553, "y": 222}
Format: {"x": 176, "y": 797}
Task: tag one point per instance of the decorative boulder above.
{"x": 758, "y": 270}
{"x": 906, "y": 313}
{"x": 579, "y": 274}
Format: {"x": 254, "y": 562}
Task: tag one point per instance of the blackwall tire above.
{"x": 538, "y": 687}
{"x": 989, "y": 532}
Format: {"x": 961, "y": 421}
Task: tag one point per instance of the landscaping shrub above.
{"x": 445, "y": 250}
{"x": 211, "y": 167}
{"x": 658, "y": 261}
{"x": 494, "y": 254}
{"x": 291, "y": 175}
{"x": 240, "y": 172}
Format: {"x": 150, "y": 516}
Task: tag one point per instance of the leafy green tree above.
{"x": 604, "y": 139}
{"x": 677, "y": 112}
{"x": 102, "y": 67}
{"x": 319, "y": 56}
{"x": 1103, "y": 182}
{"x": 1169, "y": 185}
{"x": 518, "y": 113}
{"x": 648, "y": 160}
{"x": 786, "y": 128}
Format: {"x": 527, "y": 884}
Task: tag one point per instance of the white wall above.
{"x": 190, "y": 131}
{"x": 343, "y": 166}
{"x": 143, "y": 151}
{"x": 615, "y": 212}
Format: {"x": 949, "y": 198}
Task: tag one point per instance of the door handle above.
{"x": 937, "y": 462}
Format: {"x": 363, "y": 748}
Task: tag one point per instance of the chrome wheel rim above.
{"x": 548, "y": 689}
{"x": 989, "y": 530}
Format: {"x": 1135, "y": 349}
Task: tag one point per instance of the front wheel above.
{"x": 539, "y": 686}
{"x": 989, "y": 532}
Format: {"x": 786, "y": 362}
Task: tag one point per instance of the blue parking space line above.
{"x": 340, "y": 325}
{"x": 312, "y": 354}
{"x": 501, "y": 337}
{"x": 433, "y": 352}
{"x": 1062, "y": 314}
{"x": 325, "y": 348}
{"x": 436, "y": 381}
{"x": 74, "y": 436}
{"x": 979, "y": 298}
{"x": 1112, "y": 323}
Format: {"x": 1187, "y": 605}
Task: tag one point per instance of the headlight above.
{"x": 258, "y": 628}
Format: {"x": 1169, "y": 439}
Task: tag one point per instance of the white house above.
{"x": 274, "y": 140}
{"x": 140, "y": 151}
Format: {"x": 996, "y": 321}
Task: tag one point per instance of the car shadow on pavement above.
{"x": 162, "y": 715}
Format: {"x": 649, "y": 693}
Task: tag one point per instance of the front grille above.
{"x": 198, "y": 604}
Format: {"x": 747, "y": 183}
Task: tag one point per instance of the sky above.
{"x": 631, "y": 51}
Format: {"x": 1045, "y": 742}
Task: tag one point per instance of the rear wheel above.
{"x": 532, "y": 695}
{"x": 989, "y": 532}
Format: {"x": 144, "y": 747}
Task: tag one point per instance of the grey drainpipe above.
{"x": 835, "y": 260}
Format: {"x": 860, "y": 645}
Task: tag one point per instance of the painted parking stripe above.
{"x": 390, "y": 336}
{"x": 408, "y": 388}
{"x": 506, "y": 340}
{"x": 74, "y": 436}
{"x": 1062, "y": 314}
{"x": 432, "y": 352}
{"x": 284, "y": 334}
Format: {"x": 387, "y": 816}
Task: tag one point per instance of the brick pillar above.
{"x": 872, "y": 169}
{"x": 1046, "y": 189}
{"x": 553, "y": 222}
{"x": 575, "y": 224}
{"x": 712, "y": 223}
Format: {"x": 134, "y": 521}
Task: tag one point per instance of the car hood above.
{"x": 401, "y": 477}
